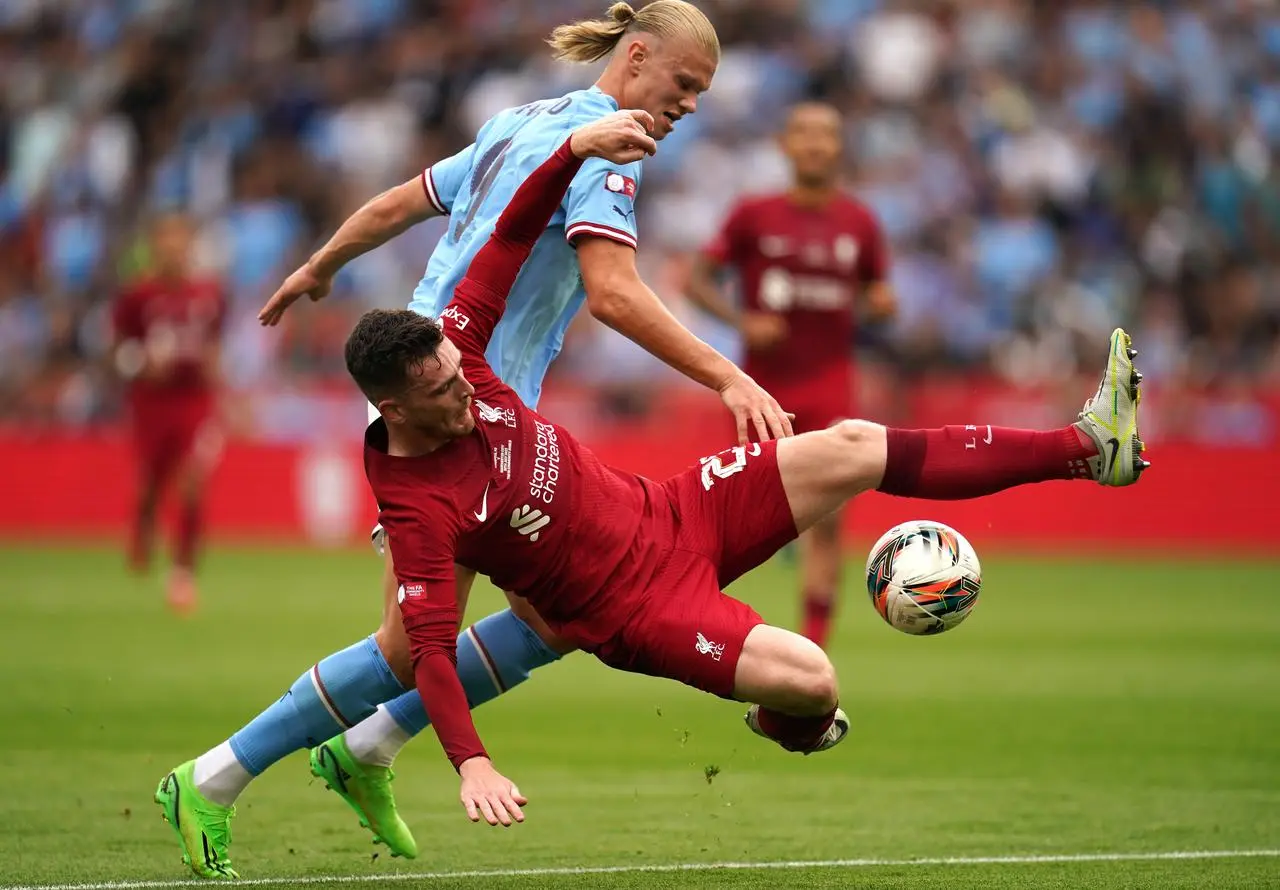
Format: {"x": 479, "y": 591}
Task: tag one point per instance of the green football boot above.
{"x": 202, "y": 826}
{"x": 367, "y": 790}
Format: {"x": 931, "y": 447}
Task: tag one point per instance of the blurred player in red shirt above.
{"x": 809, "y": 261}
{"x": 621, "y": 566}
{"x": 167, "y": 331}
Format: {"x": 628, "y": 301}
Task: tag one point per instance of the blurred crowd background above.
{"x": 1044, "y": 171}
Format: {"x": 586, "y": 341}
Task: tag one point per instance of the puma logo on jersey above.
{"x": 529, "y": 521}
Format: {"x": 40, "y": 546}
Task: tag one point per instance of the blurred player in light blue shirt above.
{"x": 660, "y": 59}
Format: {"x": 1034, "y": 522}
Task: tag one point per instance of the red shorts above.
{"x": 168, "y": 430}
{"x": 719, "y": 520}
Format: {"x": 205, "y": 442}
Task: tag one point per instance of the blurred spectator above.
{"x": 1045, "y": 170}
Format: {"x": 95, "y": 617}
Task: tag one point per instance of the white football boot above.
{"x": 1110, "y": 418}
{"x": 835, "y": 733}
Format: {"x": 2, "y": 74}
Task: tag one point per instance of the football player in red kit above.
{"x": 809, "y": 262}
{"x": 629, "y": 569}
{"x": 167, "y": 331}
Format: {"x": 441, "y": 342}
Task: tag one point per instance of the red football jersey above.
{"x": 519, "y": 499}
{"x": 808, "y": 264}
{"x": 178, "y": 318}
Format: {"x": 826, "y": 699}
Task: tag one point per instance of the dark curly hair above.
{"x": 385, "y": 344}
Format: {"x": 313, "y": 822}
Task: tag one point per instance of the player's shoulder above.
{"x": 849, "y": 204}
{"x": 424, "y": 485}
{"x": 582, "y": 106}
{"x": 759, "y": 202}
{"x": 205, "y": 286}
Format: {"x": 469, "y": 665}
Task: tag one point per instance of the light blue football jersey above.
{"x": 476, "y": 184}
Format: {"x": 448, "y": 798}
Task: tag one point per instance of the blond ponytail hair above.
{"x": 592, "y": 39}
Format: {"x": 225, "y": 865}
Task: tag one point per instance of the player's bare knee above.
{"x": 819, "y": 688}
{"x": 811, "y": 680}
{"x": 856, "y": 433}
{"x": 861, "y": 445}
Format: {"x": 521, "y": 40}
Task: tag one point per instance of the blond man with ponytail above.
{"x": 662, "y": 56}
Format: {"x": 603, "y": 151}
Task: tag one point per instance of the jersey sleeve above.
{"x": 729, "y": 246}
{"x": 873, "y": 263}
{"x": 444, "y": 179}
{"x": 601, "y": 202}
{"x": 422, "y": 550}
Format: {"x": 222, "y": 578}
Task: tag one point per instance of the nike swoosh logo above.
{"x": 483, "y": 513}
{"x": 1114, "y": 444}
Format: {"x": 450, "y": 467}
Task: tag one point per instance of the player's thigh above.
{"x": 521, "y": 608}
{"x": 201, "y": 447}
{"x": 822, "y": 470}
{"x": 785, "y": 671}
{"x": 688, "y": 630}
{"x": 154, "y": 447}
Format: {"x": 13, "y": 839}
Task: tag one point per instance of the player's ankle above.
{"x": 376, "y": 740}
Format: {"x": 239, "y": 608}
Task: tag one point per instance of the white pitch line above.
{"x": 1063, "y": 858}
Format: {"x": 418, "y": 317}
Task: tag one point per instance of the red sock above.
{"x": 794, "y": 733}
{"x": 817, "y": 616}
{"x": 189, "y": 521}
{"x": 957, "y": 462}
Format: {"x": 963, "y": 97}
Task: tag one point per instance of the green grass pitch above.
{"x": 1086, "y": 707}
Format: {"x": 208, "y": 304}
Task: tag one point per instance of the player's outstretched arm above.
{"x": 374, "y": 224}
{"x": 617, "y": 296}
{"x": 431, "y": 621}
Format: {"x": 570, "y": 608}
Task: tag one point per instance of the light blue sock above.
{"x": 334, "y": 694}
{"x": 494, "y": 654}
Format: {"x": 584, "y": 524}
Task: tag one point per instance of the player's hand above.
{"x": 486, "y": 792}
{"x": 761, "y": 331}
{"x": 753, "y": 407}
{"x": 621, "y": 137}
{"x": 305, "y": 281}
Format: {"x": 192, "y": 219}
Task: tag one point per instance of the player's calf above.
{"x": 820, "y": 577}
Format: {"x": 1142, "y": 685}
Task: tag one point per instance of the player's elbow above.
{"x": 608, "y": 302}
{"x": 609, "y": 278}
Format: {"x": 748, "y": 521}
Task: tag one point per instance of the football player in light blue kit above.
{"x": 661, "y": 58}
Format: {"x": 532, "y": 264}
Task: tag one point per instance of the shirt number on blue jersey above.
{"x": 486, "y": 172}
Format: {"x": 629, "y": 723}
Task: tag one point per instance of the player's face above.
{"x": 171, "y": 241}
{"x": 437, "y": 401}
{"x": 812, "y": 142}
{"x": 669, "y": 75}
